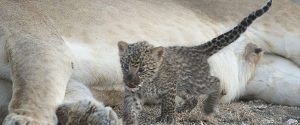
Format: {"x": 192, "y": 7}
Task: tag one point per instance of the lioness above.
{"x": 40, "y": 40}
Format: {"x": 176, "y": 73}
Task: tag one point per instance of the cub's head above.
{"x": 139, "y": 62}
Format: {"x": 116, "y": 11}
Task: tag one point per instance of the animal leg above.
{"x": 40, "y": 73}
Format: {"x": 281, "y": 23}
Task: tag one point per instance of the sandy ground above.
{"x": 253, "y": 112}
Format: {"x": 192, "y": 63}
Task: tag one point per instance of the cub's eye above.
{"x": 125, "y": 67}
{"x": 141, "y": 69}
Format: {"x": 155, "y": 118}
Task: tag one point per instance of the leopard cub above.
{"x": 159, "y": 74}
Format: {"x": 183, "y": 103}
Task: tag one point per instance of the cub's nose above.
{"x": 257, "y": 50}
{"x": 132, "y": 78}
{"x": 129, "y": 77}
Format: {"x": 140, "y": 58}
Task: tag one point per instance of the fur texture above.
{"x": 80, "y": 107}
{"x": 40, "y": 66}
{"x": 26, "y": 53}
{"x": 161, "y": 73}
{"x": 93, "y": 39}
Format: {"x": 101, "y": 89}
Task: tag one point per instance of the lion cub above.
{"x": 159, "y": 74}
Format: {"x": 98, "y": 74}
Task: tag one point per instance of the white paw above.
{"x": 14, "y": 119}
{"x": 87, "y": 112}
{"x": 105, "y": 116}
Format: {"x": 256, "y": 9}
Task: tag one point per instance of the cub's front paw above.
{"x": 14, "y": 119}
{"x": 209, "y": 119}
{"x": 181, "y": 110}
{"x": 169, "y": 119}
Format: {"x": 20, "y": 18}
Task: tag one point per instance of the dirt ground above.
{"x": 253, "y": 112}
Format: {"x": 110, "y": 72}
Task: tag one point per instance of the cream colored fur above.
{"x": 276, "y": 81}
{"x": 5, "y": 96}
{"x": 87, "y": 33}
{"x": 40, "y": 65}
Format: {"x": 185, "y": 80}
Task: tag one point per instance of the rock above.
{"x": 261, "y": 107}
{"x": 243, "y": 123}
{"x": 291, "y": 121}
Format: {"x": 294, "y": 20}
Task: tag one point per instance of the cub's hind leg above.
{"x": 210, "y": 86}
{"x": 212, "y": 100}
{"x": 189, "y": 103}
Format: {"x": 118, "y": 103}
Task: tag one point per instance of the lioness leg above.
{"x": 40, "y": 72}
{"x": 5, "y": 95}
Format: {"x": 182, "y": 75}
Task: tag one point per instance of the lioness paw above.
{"x": 88, "y": 113}
{"x": 105, "y": 116}
{"x": 14, "y": 119}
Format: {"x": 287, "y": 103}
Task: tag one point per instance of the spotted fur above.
{"x": 157, "y": 73}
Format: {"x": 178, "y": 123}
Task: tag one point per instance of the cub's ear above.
{"x": 122, "y": 47}
{"x": 158, "y": 52}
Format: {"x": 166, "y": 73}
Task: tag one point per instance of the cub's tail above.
{"x": 229, "y": 37}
